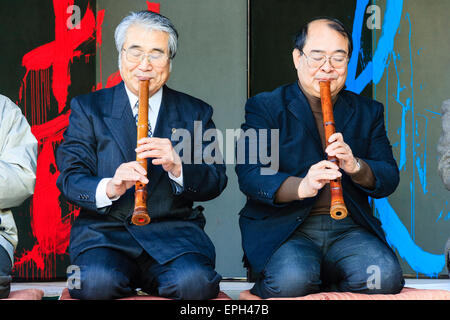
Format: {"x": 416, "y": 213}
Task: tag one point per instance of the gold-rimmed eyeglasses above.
{"x": 156, "y": 57}
{"x": 316, "y": 60}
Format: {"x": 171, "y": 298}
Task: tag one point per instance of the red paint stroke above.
{"x": 59, "y": 53}
{"x": 98, "y": 28}
{"x": 113, "y": 79}
{"x": 49, "y": 228}
{"x": 38, "y": 87}
{"x": 153, "y": 6}
{"x": 99, "y": 42}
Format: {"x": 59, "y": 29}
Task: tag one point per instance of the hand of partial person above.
{"x": 126, "y": 176}
{"x": 318, "y": 175}
{"x": 162, "y": 153}
{"x": 342, "y": 152}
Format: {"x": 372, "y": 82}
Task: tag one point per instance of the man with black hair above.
{"x": 303, "y": 249}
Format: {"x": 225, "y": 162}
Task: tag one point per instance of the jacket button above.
{"x": 299, "y": 219}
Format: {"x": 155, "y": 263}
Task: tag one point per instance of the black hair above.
{"x": 335, "y": 24}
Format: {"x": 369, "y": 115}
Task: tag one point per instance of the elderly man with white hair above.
{"x": 172, "y": 256}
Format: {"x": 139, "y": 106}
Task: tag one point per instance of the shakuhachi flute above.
{"x": 338, "y": 210}
{"x": 140, "y": 214}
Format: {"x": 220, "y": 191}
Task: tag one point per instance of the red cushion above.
{"x": 65, "y": 295}
{"x": 26, "y": 294}
{"x": 405, "y": 294}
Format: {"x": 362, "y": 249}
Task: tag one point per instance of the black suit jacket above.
{"x": 264, "y": 224}
{"x": 102, "y": 135}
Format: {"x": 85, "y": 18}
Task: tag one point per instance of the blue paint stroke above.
{"x": 374, "y": 70}
{"x": 352, "y": 83}
{"x": 442, "y": 212}
{"x": 413, "y": 136}
{"x": 413, "y": 209}
{"x": 396, "y": 233}
{"x": 405, "y": 109}
{"x": 398, "y": 237}
{"x": 387, "y": 97}
{"x": 440, "y": 215}
{"x": 434, "y": 112}
{"x": 423, "y": 171}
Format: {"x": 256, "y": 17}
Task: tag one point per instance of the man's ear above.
{"x": 296, "y": 54}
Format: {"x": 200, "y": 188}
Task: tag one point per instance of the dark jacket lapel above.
{"x": 300, "y": 108}
{"x": 121, "y": 123}
{"x": 342, "y": 112}
{"x": 298, "y": 105}
{"x": 168, "y": 118}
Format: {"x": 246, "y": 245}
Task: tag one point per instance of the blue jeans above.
{"x": 5, "y": 273}
{"x": 110, "y": 274}
{"x": 324, "y": 254}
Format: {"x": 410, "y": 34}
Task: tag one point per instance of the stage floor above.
{"x": 52, "y": 290}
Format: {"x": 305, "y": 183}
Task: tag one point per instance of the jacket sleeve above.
{"x": 76, "y": 159}
{"x": 18, "y": 154}
{"x": 380, "y": 159}
{"x": 444, "y": 146}
{"x": 258, "y": 180}
{"x": 204, "y": 180}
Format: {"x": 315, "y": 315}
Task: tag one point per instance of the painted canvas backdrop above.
{"x": 396, "y": 62}
{"x": 399, "y": 59}
{"x": 411, "y": 77}
{"x": 48, "y": 57}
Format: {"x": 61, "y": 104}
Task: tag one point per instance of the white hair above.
{"x": 151, "y": 21}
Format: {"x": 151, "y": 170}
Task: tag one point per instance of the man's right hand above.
{"x": 126, "y": 176}
{"x": 318, "y": 175}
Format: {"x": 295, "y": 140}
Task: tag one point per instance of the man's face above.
{"x": 147, "y": 41}
{"x": 321, "y": 39}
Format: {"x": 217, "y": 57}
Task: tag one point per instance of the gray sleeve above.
{"x": 444, "y": 146}
{"x": 18, "y": 156}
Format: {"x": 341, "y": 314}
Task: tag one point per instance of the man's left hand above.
{"x": 162, "y": 152}
{"x": 342, "y": 152}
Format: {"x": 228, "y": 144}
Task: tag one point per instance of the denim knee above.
{"x": 191, "y": 283}
{"x": 391, "y": 279}
{"x": 383, "y": 278}
{"x": 5, "y": 273}
{"x": 289, "y": 282}
{"x": 99, "y": 283}
{"x": 5, "y": 286}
